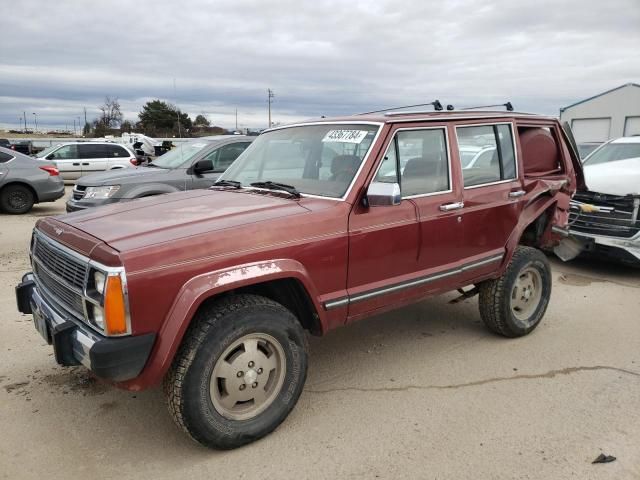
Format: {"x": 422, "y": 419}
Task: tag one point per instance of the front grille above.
{"x": 79, "y": 192}
{"x": 58, "y": 262}
{"x": 618, "y": 216}
{"x": 61, "y": 274}
{"x": 62, "y": 294}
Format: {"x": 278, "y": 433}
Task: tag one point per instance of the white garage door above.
{"x": 631, "y": 126}
{"x": 591, "y": 129}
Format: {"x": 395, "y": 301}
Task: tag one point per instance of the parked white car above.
{"x": 75, "y": 159}
{"x": 605, "y": 220}
{"x": 476, "y": 156}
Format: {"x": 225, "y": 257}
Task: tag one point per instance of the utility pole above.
{"x": 270, "y": 95}
{"x": 85, "y": 118}
{"x": 25, "y": 121}
{"x": 35, "y": 117}
{"x": 236, "y": 119}
{"x": 74, "y": 126}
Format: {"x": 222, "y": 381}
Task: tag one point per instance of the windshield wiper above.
{"x": 269, "y": 185}
{"x": 227, "y": 183}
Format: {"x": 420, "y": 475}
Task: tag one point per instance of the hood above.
{"x": 170, "y": 217}
{"x": 621, "y": 177}
{"x": 122, "y": 175}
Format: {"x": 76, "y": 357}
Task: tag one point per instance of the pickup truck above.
{"x": 211, "y": 293}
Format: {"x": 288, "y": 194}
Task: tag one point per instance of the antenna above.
{"x": 507, "y": 105}
{"x": 437, "y": 106}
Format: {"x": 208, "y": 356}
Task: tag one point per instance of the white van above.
{"x": 75, "y": 159}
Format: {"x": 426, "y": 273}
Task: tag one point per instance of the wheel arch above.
{"x": 284, "y": 281}
{"x": 23, "y": 184}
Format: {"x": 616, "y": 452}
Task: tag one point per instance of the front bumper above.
{"x": 82, "y": 204}
{"x": 114, "y": 359}
{"x": 625, "y": 249}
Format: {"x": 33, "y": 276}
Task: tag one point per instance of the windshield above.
{"x": 48, "y": 150}
{"x": 315, "y": 159}
{"x": 613, "y": 152}
{"x": 179, "y": 154}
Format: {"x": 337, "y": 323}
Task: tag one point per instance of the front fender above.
{"x": 200, "y": 288}
{"x": 149, "y": 189}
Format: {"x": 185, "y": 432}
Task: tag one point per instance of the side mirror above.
{"x": 381, "y": 194}
{"x": 202, "y": 166}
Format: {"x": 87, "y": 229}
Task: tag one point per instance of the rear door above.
{"x": 93, "y": 157}
{"x": 221, "y": 158}
{"x": 492, "y": 194}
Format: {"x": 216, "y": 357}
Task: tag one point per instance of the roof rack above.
{"x": 507, "y": 105}
{"x": 437, "y": 106}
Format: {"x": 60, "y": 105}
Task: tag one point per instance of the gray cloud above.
{"x": 321, "y": 57}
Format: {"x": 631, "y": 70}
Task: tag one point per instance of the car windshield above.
{"x": 179, "y": 154}
{"x": 48, "y": 150}
{"x": 612, "y": 152}
{"x": 317, "y": 160}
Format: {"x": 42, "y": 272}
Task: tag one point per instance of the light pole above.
{"x": 80, "y": 129}
{"x": 270, "y": 95}
{"x": 35, "y": 117}
{"x": 74, "y": 126}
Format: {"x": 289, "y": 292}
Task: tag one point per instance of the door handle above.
{"x": 516, "y": 194}
{"x": 86, "y": 164}
{"x": 76, "y": 164}
{"x": 451, "y": 206}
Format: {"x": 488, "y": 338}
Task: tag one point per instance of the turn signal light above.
{"x": 52, "y": 171}
{"x": 133, "y": 161}
{"x": 115, "y": 310}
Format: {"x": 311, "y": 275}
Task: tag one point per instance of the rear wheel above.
{"x": 514, "y": 304}
{"x": 16, "y": 199}
{"x": 239, "y": 372}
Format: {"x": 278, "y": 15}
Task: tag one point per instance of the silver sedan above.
{"x": 25, "y": 181}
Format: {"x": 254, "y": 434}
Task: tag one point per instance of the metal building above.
{"x": 611, "y": 114}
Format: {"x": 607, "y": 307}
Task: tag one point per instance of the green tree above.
{"x": 162, "y": 118}
{"x": 201, "y": 121}
{"x": 126, "y": 126}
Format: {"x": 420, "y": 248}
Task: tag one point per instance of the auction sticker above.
{"x": 345, "y": 136}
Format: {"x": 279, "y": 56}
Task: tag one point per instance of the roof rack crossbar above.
{"x": 507, "y": 105}
{"x": 437, "y": 106}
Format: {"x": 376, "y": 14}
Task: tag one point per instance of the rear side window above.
{"x": 5, "y": 157}
{"x": 116, "y": 151}
{"x": 487, "y": 154}
{"x": 418, "y": 160}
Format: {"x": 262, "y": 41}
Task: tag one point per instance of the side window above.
{"x": 116, "y": 151}
{"x": 487, "y": 154}
{"x": 420, "y": 156}
{"x": 5, "y": 157}
{"x": 66, "y": 152}
{"x": 227, "y": 155}
{"x": 89, "y": 150}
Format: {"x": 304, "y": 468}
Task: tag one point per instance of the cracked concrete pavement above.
{"x": 423, "y": 392}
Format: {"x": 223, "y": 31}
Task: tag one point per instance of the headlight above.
{"x": 98, "y": 317}
{"x": 98, "y": 281}
{"x": 101, "y": 192}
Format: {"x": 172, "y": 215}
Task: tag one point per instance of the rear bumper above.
{"x": 114, "y": 359}
{"x": 51, "y": 194}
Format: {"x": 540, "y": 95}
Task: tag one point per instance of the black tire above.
{"x": 214, "y": 329}
{"x": 496, "y": 302}
{"x": 16, "y": 199}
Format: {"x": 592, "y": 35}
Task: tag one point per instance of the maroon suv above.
{"x": 316, "y": 225}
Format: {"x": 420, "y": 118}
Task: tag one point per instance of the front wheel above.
{"x": 239, "y": 372}
{"x": 514, "y": 304}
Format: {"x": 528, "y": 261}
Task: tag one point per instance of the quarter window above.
{"x": 5, "y": 157}
{"x": 417, "y": 159}
{"x": 486, "y": 153}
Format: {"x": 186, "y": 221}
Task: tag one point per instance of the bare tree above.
{"x": 111, "y": 115}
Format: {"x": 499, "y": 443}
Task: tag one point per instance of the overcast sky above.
{"x": 320, "y": 57}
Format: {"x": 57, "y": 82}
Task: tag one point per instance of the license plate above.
{"x": 41, "y": 324}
